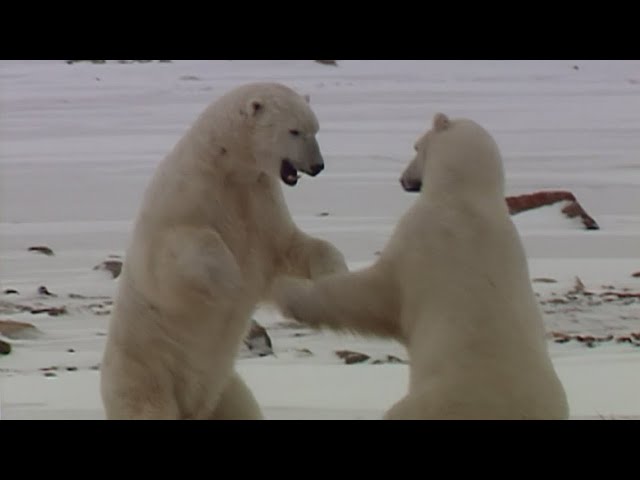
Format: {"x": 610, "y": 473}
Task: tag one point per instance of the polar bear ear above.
{"x": 307, "y": 98}
{"x": 441, "y": 122}
{"x": 255, "y": 107}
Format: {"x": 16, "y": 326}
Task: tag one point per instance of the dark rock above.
{"x": 350, "y": 357}
{"x": 42, "y": 290}
{"x": 304, "y": 352}
{"x": 112, "y": 266}
{"x": 5, "y": 348}
{"x": 52, "y": 311}
{"x": 41, "y": 249}
{"x": 258, "y": 341}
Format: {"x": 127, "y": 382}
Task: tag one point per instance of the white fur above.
{"x": 212, "y": 234}
{"x": 452, "y": 285}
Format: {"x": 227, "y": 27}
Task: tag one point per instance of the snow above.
{"x": 79, "y": 142}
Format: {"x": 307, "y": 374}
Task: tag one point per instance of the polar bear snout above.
{"x": 411, "y": 178}
{"x": 313, "y": 162}
{"x": 311, "y": 169}
{"x": 305, "y": 157}
{"x": 316, "y": 169}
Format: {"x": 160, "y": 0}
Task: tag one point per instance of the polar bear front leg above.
{"x": 310, "y": 257}
{"x": 365, "y": 302}
{"x": 197, "y": 261}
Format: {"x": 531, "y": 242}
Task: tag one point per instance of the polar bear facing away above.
{"x": 212, "y": 233}
{"x": 453, "y": 286}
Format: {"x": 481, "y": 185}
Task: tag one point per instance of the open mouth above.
{"x": 288, "y": 173}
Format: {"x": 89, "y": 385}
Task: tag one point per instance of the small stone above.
{"x": 112, "y": 266}
{"x": 42, "y": 290}
{"x": 5, "y": 348}
{"x": 258, "y": 341}
{"x": 304, "y": 352}
{"x": 394, "y": 359}
{"x": 52, "y": 311}
{"x": 77, "y": 296}
{"x": 350, "y": 357}
{"x": 41, "y": 249}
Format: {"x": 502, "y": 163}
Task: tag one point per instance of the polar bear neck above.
{"x": 448, "y": 187}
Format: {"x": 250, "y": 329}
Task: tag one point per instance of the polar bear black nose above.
{"x": 316, "y": 169}
{"x": 410, "y": 186}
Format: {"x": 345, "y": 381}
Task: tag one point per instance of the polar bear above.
{"x": 453, "y": 286}
{"x": 212, "y": 233}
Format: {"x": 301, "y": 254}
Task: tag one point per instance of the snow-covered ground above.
{"x": 79, "y": 142}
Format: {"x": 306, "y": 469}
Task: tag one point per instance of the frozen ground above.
{"x": 79, "y": 142}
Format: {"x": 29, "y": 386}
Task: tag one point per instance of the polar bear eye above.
{"x": 294, "y": 132}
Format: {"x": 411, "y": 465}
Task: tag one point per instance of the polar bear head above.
{"x": 455, "y": 157}
{"x": 282, "y": 131}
